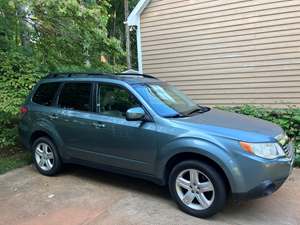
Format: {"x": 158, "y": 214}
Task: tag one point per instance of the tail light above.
{"x": 23, "y": 110}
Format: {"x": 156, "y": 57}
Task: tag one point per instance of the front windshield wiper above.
{"x": 201, "y": 109}
{"x": 176, "y": 116}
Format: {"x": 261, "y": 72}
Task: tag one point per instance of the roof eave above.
{"x": 134, "y": 17}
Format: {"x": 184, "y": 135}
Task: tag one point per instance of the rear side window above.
{"x": 76, "y": 96}
{"x": 45, "y": 94}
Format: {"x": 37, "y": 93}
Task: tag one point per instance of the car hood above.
{"x": 232, "y": 125}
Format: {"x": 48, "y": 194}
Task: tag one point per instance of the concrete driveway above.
{"x": 90, "y": 197}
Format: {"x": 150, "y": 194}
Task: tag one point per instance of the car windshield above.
{"x": 167, "y": 101}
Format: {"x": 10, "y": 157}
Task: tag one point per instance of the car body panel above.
{"x": 233, "y": 125}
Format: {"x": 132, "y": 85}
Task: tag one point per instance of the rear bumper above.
{"x": 24, "y": 136}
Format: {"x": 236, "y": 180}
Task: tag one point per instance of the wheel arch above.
{"x": 38, "y": 134}
{"x": 56, "y": 140}
{"x": 184, "y": 156}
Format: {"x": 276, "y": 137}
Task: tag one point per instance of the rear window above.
{"x": 76, "y": 96}
{"x": 45, "y": 94}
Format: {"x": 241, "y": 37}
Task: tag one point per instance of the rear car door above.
{"x": 74, "y": 118}
{"x": 41, "y": 110}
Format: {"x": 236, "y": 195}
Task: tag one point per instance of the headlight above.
{"x": 264, "y": 150}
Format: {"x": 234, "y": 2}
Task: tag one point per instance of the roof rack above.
{"x": 71, "y": 74}
{"x": 74, "y": 74}
{"x": 136, "y": 74}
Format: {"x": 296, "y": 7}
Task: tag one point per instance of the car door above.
{"x": 74, "y": 118}
{"x": 116, "y": 141}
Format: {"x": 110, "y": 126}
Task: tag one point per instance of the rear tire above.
{"x": 197, "y": 188}
{"x": 45, "y": 157}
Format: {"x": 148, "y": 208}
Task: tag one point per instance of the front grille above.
{"x": 287, "y": 150}
{"x": 284, "y": 142}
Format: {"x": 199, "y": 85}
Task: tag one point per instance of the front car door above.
{"x": 118, "y": 142}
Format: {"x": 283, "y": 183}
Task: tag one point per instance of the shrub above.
{"x": 18, "y": 75}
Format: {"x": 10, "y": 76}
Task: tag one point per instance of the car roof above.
{"x": 130, "y": 78}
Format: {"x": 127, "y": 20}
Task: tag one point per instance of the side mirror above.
{"x": 135, "y": 114}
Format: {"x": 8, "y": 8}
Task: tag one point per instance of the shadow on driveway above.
{"x": 124, "y": 182}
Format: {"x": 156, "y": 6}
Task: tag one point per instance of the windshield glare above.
{"x": 166, "y": 100}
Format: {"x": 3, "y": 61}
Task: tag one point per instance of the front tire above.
{"x": 45, "y": 157}
{"x": 197, "y": 188}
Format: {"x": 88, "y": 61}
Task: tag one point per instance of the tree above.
{"x": 13, "y": 30}
{"x": 73, "y": 32}
{"x": 116, "y": 26}
{"x": 59, "y": 33}
{"x": 127, "y": 35}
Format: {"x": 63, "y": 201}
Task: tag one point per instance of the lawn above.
{"x": 10, "y": 162}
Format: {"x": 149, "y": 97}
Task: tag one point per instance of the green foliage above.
{"x": 116, "y": 26}
{"x": 58, "y": 33}
{"x": 72, "y": 32}
{"x": 288, "y": 119}
{"x": 18, "y": 75}
{"x": 297, "y": 159}
{"x": 14, "y": 161}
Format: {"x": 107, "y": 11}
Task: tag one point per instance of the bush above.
{"x": 18, "y": 75}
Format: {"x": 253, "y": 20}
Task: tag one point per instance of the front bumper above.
{"x": 264, "y": 177}
{"x": 264, "y": 189}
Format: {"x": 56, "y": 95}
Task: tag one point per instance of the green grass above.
{"x": 17, "y": 160}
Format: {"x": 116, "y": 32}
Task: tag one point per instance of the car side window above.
{"x": 76, "y": 96}
{"x": 45, "y": 94}
{"x": 115, "y": 100}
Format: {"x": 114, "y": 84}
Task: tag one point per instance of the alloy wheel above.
{"x": 195, "y": 189}
{"x": 44, "y": 156}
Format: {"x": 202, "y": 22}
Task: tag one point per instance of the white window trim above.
{"x": 134, "y": 19}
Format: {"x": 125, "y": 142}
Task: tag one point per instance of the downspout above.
{"x": 134, "y": 19}
{"x": 139, "y": 46}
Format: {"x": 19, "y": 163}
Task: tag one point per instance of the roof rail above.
{"x": 70, "y": 74}
{"x": 136, "y": 74}
{"x": 73, "y": 74}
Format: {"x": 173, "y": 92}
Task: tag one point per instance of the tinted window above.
{"x": 45, "y": 94}
{"x": 115, "y": 100}
{"x": 76, "y": 96}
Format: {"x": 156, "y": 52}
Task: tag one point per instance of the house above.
{"x": 223, "y": 52}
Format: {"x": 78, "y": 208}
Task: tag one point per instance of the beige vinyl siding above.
{"x": 225, "y": 52}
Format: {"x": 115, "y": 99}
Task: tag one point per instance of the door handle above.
{"x": 99, "y": 125}
{"x": 53, "y": 116}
